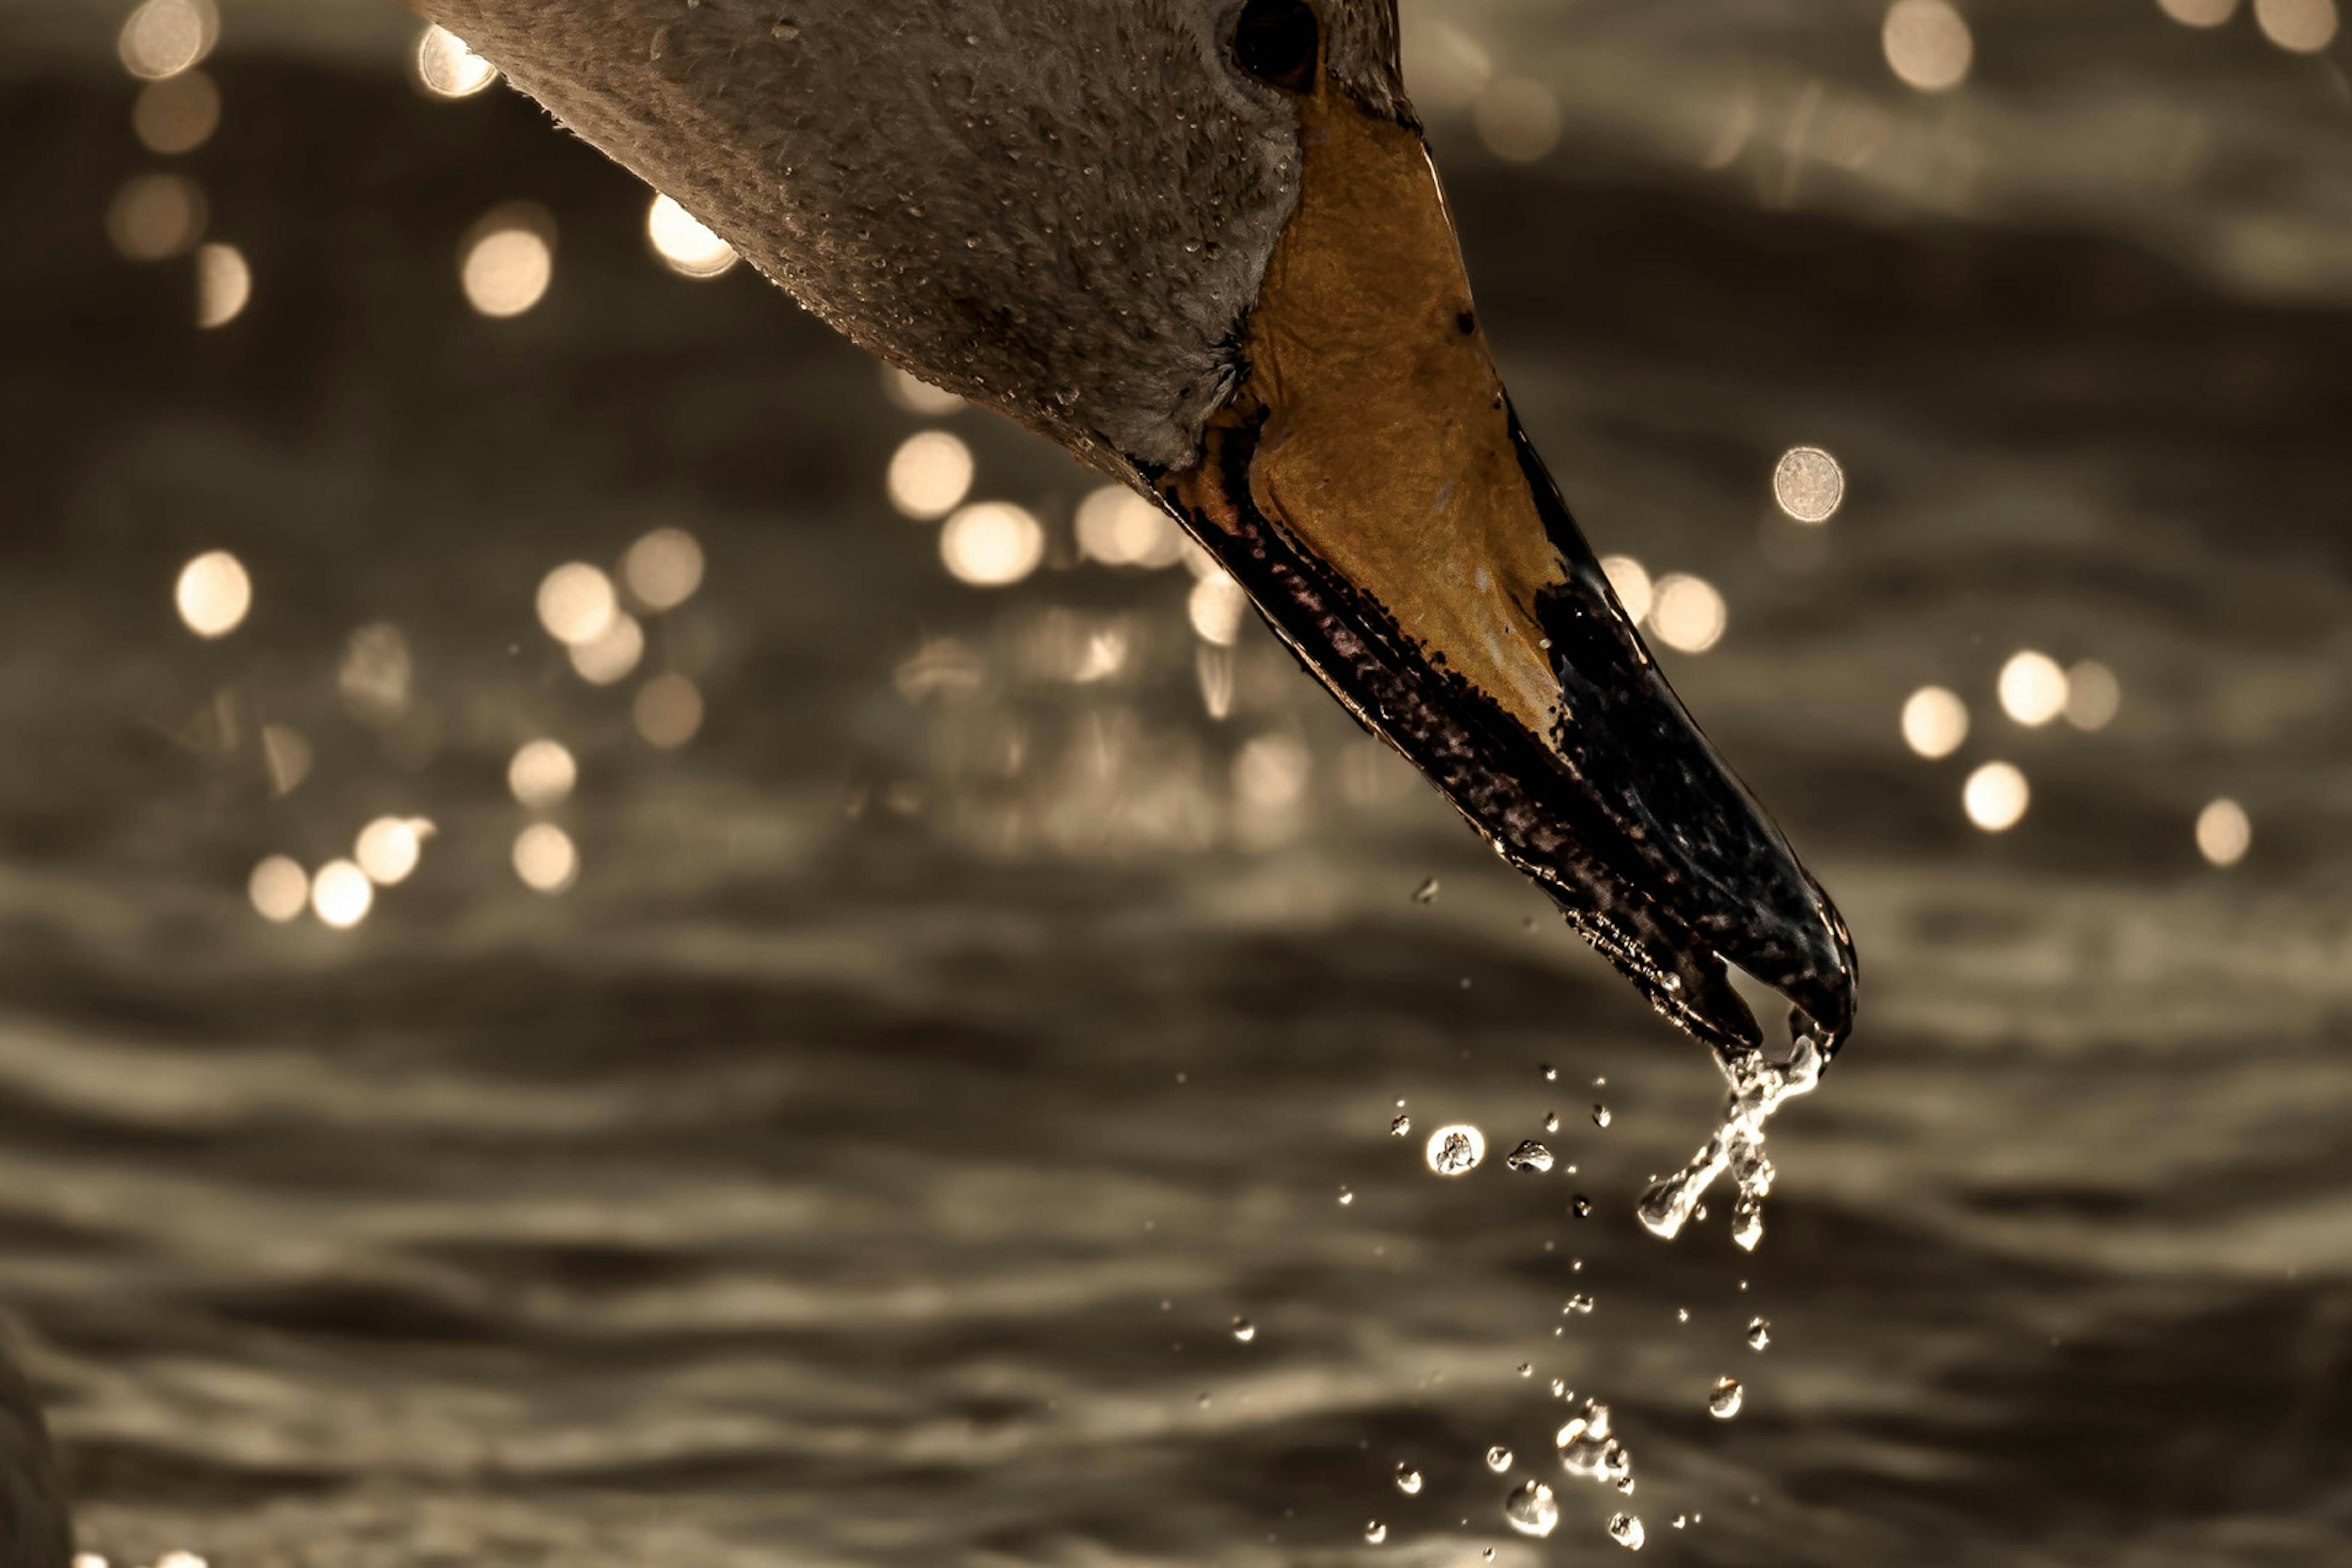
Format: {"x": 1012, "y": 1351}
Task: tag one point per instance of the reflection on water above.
{"x": 935, "y": 1044}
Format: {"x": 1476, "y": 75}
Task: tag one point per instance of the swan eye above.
{"x": 1275, "y": 41}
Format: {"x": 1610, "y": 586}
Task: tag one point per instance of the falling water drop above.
{"x": 1427, "y": 892}
{"x": 1529, "y": 1155}
{"x": 1626, "y": 1531}
{"x": 1551, "y": 1123}
{"x": 1244, "y": 1331}
{"x": 1498, "y": 1458}
{"x": 1375, "y": 1531}
{"x": 1581, "y": 1304}
{"x": 1347, "y": 1197}
{"x": 1408, "y": 1481}
{"x": 1456, "y": 1151}
{"x": 1551, "y": 1074}
{"x": 1759, "y": 1333}
{"x": 1600, "y": 1116}
{"x": 1587, "y": 1450}
{"x": 1581, "y": 1207}
{"x": 1402, "y": 1126}
{"x": 1724, "y": 1404}
{"x": 1531, "y": 1511}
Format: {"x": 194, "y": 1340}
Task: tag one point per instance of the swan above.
{"x": 1202, "y": 245}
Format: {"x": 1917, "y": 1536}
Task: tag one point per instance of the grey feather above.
{"x": 1062, "y": 209}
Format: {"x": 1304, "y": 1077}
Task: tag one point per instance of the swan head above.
{"x": 1200, "y": 244}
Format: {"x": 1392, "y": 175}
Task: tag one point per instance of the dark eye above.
{"x": 1275, "y": 41}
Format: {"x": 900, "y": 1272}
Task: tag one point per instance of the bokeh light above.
{"x": 375, "y": 676}
{"x": 1215, "y": 609}
{"x": 612, "y": 655}
{"x": 991, "y": 545}
{"x": 448, "y": 67}
{"x": 1445, "y": 68}
{"x": 1629, "y": 581}
{"x": 1119, "y": 528}
{"x": 280, "y": 889}
{"x": 389, "y": 847}
{"x": 1935, "y": 721}
{"x": 156, "y": 216}
{"x": 1270, "y": 773}
{"x": 915, "y": 395}
{"x": 576, "y": 602}
{"x": 928, "y": 476}
{"x": 1808, "y": 484}
{"x": 545, "y": 858}
{"x": 2093, "y": 695}
{"x": 163, "y": 37}
{"x": 667, "y": 710}
{"x": 2032, "y": 689}
{"x": 213, "y": 594}
{"x": 1517, "y": 119}
{"x": 1995, "y": 796}
{"x": 2300, "y": 27}
{"x": 224, "y": 285}
{"x": 1927, "y": 45}
{"x": 663, "y": 569}
{"x": 2224, "y": 833}
{"x": 341, "y": 894}
{"x": 2200, "y": 13}
{"x": 542, "y": 773}
{"x": 178, "y": 114}
{"x": 284, "y": 756}
{"x": 1686, "y": 614}
{"x": 508, "y": 261}
{"x": 686, "y": 246}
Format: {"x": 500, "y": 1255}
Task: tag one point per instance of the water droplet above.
{"x": 1551, "y": 1074}
{"x": 1531, "y": 1511}
{"x": 1408, "y": 1481}
{"x": 1682, "y": 1314}
{"x": 1681, "y": 1520}
{"x": 1529, "y": 1155}
{"x": 1600, "y": 1116}
{"x": 1375, "y": 1531}
{"x": 1759, "y": 1333}
{"x": 1552, "y": 1121}
{"x": 1759, "y": 1088}
{"x": 1527, "y": 1369}
{"x": 1347, "y": 1197}
{"x": 1581, "y": 1304}
{"x": 1427, "y": 892}
{"x": 1581, "y": 1207}
{"x": 1244, "y": 1331}
{"x": 1498, "y": 1458}
{"x": 1724, "y": 1404}
{"x": 1626, "y": 1531}
{"x": 1456, "y": 1151}
{"x": 1401, "y": 1127}
{"x": 1587, "y": 1450}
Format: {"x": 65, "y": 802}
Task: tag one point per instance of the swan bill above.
{"x": 1370, "y": 485}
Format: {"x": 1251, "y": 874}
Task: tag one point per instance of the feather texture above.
{"x": 1062, "y": 209}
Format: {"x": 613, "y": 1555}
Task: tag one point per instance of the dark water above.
{"x": 865, "y": 1161}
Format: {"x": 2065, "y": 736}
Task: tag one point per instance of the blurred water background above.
{"x": 968, "y": 968}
